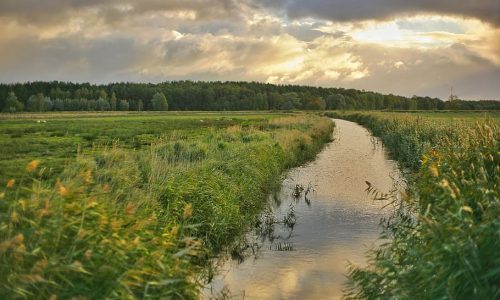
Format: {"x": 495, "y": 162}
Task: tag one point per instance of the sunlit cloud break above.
{"x": 403, "y": 49}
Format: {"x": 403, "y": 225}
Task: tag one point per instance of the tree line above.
{"x": 210, "y": 96}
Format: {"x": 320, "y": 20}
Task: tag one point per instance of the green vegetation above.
{"x": 210, "y": 96}
{"x": 142, "y": 216}
{"x": 445, "y": 234}
{"x": 56, "y": 137}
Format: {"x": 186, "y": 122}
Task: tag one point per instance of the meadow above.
{"x": 57, "y": 137}
{"x": 136, "y": 205}
{"x": 445, "y": 232}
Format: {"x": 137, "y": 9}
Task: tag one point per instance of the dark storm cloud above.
{"x": 58, "y": 11}
{"x": 355, "y": 10}
{"x": 39, "y": 11}
{"x": 71, "y": 59}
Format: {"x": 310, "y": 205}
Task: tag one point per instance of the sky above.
{"x": 404, "y": 47}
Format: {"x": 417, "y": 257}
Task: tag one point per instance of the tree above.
{"x": 159, "y": 102}
{"x": 47, "y": 104}
{"x": 113, "y": 101}
{"x": 123, "y": 105}
{"x": 315, "y": 102}
{"x": 336, "y": 101}
{"x": 291, "y": 101}
{"x": 58, "y": 105}
{"x": 36, "y": 103}
{"x": 102, "y": 94}
{"x": 12, "y": 105}
{"x": 102, "y": 105}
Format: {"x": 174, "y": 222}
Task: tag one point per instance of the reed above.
{"x": 143, "y": 223}
{"x": 445, "y": 234}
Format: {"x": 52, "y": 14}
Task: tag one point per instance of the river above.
{"x": 338, "y": 223}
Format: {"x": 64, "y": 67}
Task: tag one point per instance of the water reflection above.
{"x": 321, "y": 218}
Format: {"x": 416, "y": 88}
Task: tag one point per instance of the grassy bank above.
{"x": 127, "y": 220}
{"x": 445, "y": 235}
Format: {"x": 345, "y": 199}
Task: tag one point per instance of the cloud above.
{"x": 50, "y": 12}
{"x": 316, "y": 42}
{"x": 357, "y": 10}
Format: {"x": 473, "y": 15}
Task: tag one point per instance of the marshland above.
{"x": 259, "y": 205}
{"x": 255, "y": 149}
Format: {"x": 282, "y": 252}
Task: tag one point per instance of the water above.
{"x": 338, "y": 225}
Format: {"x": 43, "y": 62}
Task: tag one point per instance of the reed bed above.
{"x": 445, "y": 234}
{"x": 125, "y": 223}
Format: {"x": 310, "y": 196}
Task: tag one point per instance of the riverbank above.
{"x": 445, "y": 236}
{"x": 308, "y": 237}
{"x": 143, "y": 222}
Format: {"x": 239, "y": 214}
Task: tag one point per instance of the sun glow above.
{"x": 420, "y": 31}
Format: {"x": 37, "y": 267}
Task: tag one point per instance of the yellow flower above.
{"x": 130, "y": 209}
{"x": 467, "y": 209}
{"x": 174, "y": 231}
{"x": 40, "y": 266}
{"x": 88, "y": 254}
{"x": 18, "y": 239}
{"x": 434, "y": 170}
{"x": 14, "y": 217}
{"x": 11, "y": 183}
{"x": 61, "y": 189}
{"x": 188, "y": 210}
{"x": 87, "y": 176}
{"x": 32, "y": 165}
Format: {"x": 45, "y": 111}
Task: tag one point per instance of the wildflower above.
{"x": 434, "y": 170}
{"x": 22, "y": 204}
{"x": 14, "y": 218}
{"x": 87, "y": 176}
{"x": 21, "y": 249}
{"x": 103, "y": 221}
{"x": 91, "y": 202}
{"x": 61, "y": 189}
{"x": 116, "y": 225}
{"x": 11, "y": 183}
{"x": 18, "y": 239}
{"x": 32, "y": 165}
{"x": 467, "y": 209}
{"x": 444, "y": 183}
{"x": 81, "y": 233}
{"x": 106, "y": 187}
{"x": 40, "y": 266}
{"x": 188, "y": 211}
{"x": 130, "y": 209}
{"x": 88, "y": 254}
{"x": 174, "y": 231}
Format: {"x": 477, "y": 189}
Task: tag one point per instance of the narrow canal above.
{"x": 337, "y": 222}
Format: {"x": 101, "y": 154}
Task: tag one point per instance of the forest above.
{"x": 211, "y": 96}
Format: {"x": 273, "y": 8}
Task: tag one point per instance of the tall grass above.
{"x": 122, "y": 223}
{"x": 445, "y": 235}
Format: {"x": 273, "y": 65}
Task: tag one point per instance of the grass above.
{"x": 445, "y": 234}
{"x": 129, "y": 219}
{"x": 56, "y": 137}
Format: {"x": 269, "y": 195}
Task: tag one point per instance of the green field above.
{"x": 136, "y": 205}
{"x": 445, "y": 231}
{"x": 56, "y": 137}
